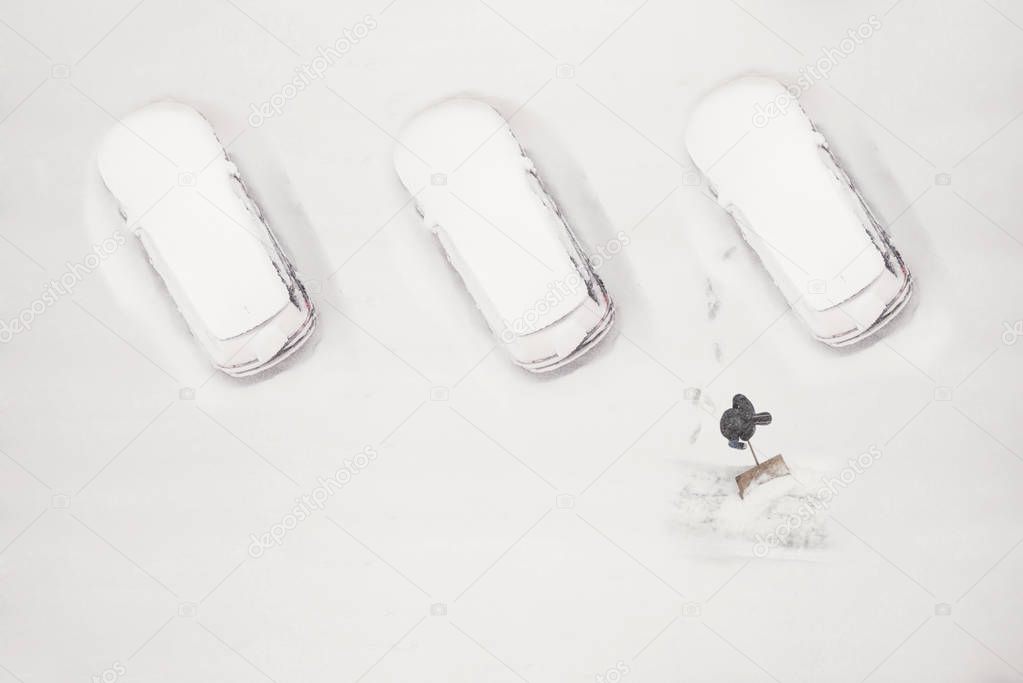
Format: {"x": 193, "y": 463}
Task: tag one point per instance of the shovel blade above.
{"x": 765, "y": 471}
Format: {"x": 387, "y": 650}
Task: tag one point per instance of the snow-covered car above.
{"x": 206, "y": 238}
{"x": 773, "y": 172}
{"x": 480, "y": 194}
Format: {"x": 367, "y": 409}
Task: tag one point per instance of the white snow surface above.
{"x": 511, "y": 527}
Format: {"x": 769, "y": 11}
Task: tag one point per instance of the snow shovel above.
{"x": 762, "y": 472}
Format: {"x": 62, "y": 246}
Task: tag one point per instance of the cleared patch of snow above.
{"x": 780, "y": 513}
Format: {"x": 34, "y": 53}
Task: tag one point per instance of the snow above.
{"x": 780, "y": 513}
{"x": 542, "y": 513}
